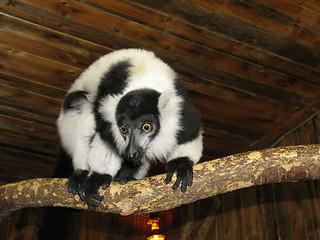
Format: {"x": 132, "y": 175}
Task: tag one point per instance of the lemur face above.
{"x": 137, "y": 118}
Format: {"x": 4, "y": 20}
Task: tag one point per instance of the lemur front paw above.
{"x": 76, "y": 180}
{"x": 184, "y": 168}
{"x": 87, "y": 187}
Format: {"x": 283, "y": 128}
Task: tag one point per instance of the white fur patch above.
{"x": 102, "y": 158}
{"x": 76, "y": 129}
{"x": 88, "y": 151}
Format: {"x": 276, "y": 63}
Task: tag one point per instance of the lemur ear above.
{"x": 168, "y": 101}
{"x": 162, "y": 101}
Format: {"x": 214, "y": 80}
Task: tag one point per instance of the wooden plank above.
{"x": 25, "y": 143}
{"x": 305, "y": 134}
{"x": 214, "y": 76}
{"x": 28, "y": 136}
{"x": 312, "y": 4}
{"x": 59, "y": 23}
{"x": 210, "y": 89}
{"x": 44, "y": 71}
{"x": 310, "y": 210}
{"x": 226, "y": 136}
{"x": 295, "y": 120}
{"x": 237, "y": 29}
{"x": 28, "y": 101}
{"x": 214, "y": 144}
{"x": 295, "y": 212}
{"x": 29, "y": 130}
{"x": 23, "y": 44}
{"x": 214, "y": 149}
{"x": 222, "y": 128}
{"x": 237, "y": 112}
{"x": 268, "y": 16}
{"x": 282, "y": 211}
{"x": 32, "y": 86}
{"x": 229, "y": 220}
{"x": 262, "y": 125}
{"x": 289, "y": 11}
{"x": 20, "y": 165}
{"x": 250, "y": 213}
{"x": 237, "y": 124}
{"x": 87, "y": 51}
{"x": 129, "y": 30}
{"x": 315, "y": 189}
{"x": 269, "y": 219}
{"x": 27, "y": 116}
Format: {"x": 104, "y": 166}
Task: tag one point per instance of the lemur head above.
{"x": 137, "y": 116}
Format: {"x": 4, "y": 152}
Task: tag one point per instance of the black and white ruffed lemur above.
{"x": 126, "y": 110}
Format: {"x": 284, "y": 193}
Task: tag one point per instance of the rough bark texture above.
{"x": 211, "y": 178}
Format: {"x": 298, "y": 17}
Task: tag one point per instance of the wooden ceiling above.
{"x": 251, "y": 67}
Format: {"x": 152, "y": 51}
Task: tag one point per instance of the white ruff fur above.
{"x": 102, "y": 158}
{"x": 76, "y": 129}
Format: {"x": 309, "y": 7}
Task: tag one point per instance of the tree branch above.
{"x": 285, "y": 164}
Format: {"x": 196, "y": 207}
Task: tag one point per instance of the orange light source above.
{"x": 156, "y": 237}
{"x": 155, "y": 230}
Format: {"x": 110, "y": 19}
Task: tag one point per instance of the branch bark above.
{"x": 285, "y": 164}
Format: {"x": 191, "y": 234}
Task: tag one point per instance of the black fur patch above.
{"x": 74, "y": 100}
{"x": 137, "y": 103}
{"x": 104, "y": 129}
{"x": 190, "y": 118}
{"x": 63, "y": 167}
{"x": 113, "y": 82}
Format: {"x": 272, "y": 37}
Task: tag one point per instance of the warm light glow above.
{"x": 154, "y": 224}
{"x": 156, "y": 237}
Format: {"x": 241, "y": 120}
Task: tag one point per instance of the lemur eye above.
{"x": 146, "y": 127}
{"x": 123, "y": 129}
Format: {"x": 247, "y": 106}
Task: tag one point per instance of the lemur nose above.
{"x": 136, "y": 156}
{"x": 133, "y": 155}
